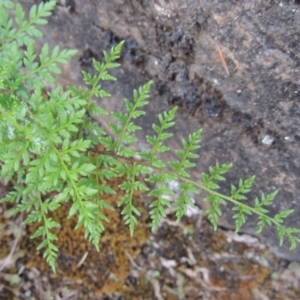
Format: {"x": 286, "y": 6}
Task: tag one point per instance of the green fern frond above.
{"x": 51, "y": 148}
{"x": 26, "y": 29}
{"x": 124, "y": 127}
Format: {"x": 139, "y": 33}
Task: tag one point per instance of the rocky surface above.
{"x": 249, "y": 107}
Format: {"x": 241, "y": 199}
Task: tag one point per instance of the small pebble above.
{"x": 268, "y": 140}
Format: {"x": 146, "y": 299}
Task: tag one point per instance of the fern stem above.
{"x": 52, "y": 263}
{"x": 196, "y": 184}
{"x": 89, "y": 98}
{"x": 125, "y": 128}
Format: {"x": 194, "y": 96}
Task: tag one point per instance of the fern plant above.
{"x": 47, "y": 145}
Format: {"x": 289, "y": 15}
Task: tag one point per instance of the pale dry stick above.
{"x": 205, "y": 282}
{"x": 81, "y": 262}
{"x": 133, "y": 263}
{"x": 223, "y": 61}
{"x": 153, "y": 281}
{"x": 69, "y": 296}
{"x": 7, "y": 260}
{"x": 37, "y": 279}
{"x": 156, "y": 287}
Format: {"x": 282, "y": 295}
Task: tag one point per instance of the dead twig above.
{"x": 7, "y": 260}
{"x": 80, "y": 263}
{"x": 223, "y": 61}
{"x": 133, "y": 263}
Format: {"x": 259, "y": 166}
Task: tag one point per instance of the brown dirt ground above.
{"x": 178, "y": 261}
